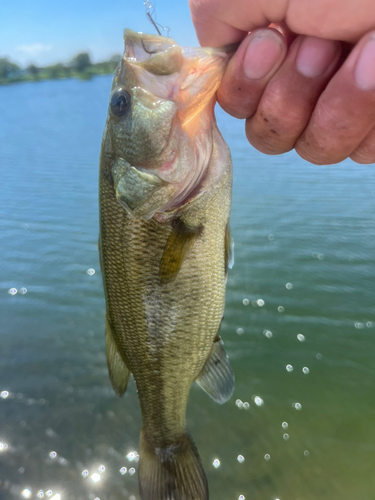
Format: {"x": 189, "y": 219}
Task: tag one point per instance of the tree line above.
{"x": 80, "y": 66}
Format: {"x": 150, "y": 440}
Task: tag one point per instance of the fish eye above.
{"x": 120, "y": 102}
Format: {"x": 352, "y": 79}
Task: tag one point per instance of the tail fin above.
{"x": 171, "y": 473}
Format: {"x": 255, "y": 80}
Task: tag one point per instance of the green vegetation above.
{"x": 79, "y": 67}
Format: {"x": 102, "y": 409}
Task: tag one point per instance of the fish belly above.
{"x": 164, "y": 332}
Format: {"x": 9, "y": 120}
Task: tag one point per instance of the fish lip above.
{"x": 133, "y": 38}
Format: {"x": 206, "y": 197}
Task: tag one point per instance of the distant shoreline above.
{"x": 22, "y": 79}
{"x": 80, "y": 67}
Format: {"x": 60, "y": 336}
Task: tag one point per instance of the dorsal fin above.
{"x": 179, "y": 244}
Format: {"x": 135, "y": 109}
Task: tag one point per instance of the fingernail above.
{"x": 365, "y": 69}
{"x": 262, "y": 54}
{"x": 315, "y": 56}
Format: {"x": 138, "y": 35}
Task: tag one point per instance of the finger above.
{"x": 365, "y": 152}
{"x": 345, "y": 112}
{"x": 220, "y": 22}
{"x": 256, "y": 60}
{"x": 289, "y": 99}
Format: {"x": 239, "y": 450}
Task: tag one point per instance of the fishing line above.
{"x": 150, "y": 13}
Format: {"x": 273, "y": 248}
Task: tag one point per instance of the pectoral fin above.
{"x": 179, "y": 244}
{"x": 217, "y": 377}
{"x": 118, "y": 371}
{"x": 229, "y": 250}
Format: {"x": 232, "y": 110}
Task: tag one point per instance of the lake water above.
{"x": 299, "y": 324}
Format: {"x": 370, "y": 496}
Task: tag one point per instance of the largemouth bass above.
{"x": 165, "y": 247}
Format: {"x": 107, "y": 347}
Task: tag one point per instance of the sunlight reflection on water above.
{"x": 300, "y": 295}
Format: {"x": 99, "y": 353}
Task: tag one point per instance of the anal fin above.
{"x": 217, "y": 377}
{"x": 118, "y": 371}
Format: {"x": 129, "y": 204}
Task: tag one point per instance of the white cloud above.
{"x": 34, "y": 49}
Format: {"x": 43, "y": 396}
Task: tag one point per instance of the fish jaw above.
{"x": 167, "y": 133}
{"x": 191, "y": 75}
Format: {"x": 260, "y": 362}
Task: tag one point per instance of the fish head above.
{"x": 160, "y": 121}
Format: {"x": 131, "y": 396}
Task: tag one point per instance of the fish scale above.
{"x": 134, "y": 248}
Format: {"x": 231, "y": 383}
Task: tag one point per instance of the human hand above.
{"x": 305, "y": 89}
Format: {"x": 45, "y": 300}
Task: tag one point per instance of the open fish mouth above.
{"x": 190, "y": 76}
{"x": 157, "y": 54}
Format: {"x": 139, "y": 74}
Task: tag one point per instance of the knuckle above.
{"x": 235, "y": 102}
{"x": 279, "y": 113}
{"x": 333, "y": 118}
{"x": 271, "y": 130}
{"x": 364, "y": 153}
{"x": 271, "y": 105}
{"x": 327, "y": 139}
{"x": 238, "y": 99}
{"x": 362, "y": 156}
{"x": 264, "y": 139}
{"x": 313, "y": 154}
{"x": 232, "y": 109}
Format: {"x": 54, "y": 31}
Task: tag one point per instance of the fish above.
{"x": 165, "y": 248}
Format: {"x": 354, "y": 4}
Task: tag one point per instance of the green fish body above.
{"x": 165, "y": 247}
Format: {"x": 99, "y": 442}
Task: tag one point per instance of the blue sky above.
{"x": 44, "y": 31}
